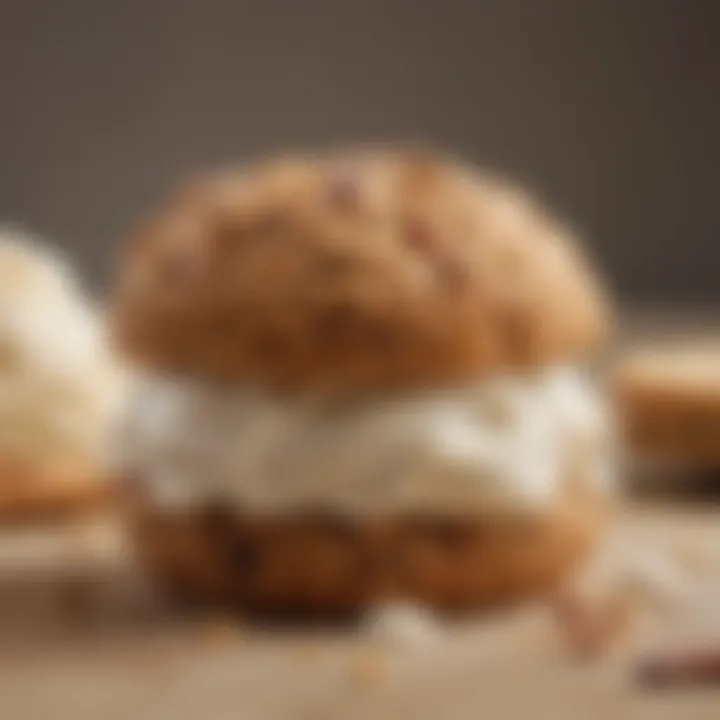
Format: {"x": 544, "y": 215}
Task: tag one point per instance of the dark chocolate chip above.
{"x": 245, "y": 557}
{"x": 219, "y": 520}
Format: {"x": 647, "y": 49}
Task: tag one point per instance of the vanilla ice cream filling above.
{"x": 505, "y": 444}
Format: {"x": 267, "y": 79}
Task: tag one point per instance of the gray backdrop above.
{"x": 608, "y": 107}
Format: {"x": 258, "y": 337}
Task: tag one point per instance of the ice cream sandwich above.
{"x": 361, "y": 377}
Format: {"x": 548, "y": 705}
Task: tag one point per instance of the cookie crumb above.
{"x": 402, "y": 624}
{"x": 589, "y": 630}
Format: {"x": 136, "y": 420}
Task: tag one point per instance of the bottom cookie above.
{"x": 321, "y": 563}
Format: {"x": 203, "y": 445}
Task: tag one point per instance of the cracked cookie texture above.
{"x": 359, "y": 270}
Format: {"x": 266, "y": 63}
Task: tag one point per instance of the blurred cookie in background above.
{"x": 59, "y": 389}
{"x": 668, "y": 400}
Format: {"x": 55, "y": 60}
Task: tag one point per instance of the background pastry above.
{"x": 59, "y": 389}
{"x": 668, "y": 398}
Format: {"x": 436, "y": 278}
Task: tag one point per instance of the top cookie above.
{"x": 365, "y": 270}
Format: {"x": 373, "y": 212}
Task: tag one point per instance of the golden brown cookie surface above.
{"x": 367, "y": 270}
